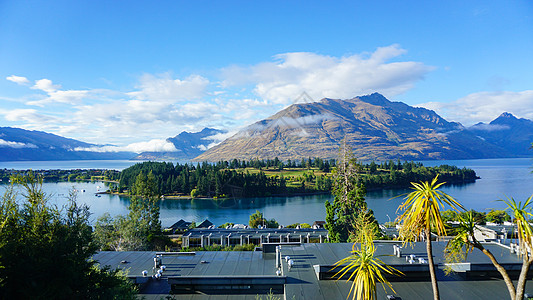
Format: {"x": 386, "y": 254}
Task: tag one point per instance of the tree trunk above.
{"x": 522, "y": 279}
{"x": 503, "y": 272}
{"x": 434, "y": 285}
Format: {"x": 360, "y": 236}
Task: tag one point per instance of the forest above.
{"x": 259, "y": 178}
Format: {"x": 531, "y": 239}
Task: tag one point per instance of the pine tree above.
{"x": 349, "y": 202}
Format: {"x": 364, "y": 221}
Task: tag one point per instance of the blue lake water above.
{"x": 500, "y": 178}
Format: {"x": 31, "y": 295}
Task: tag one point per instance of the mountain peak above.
{"x": 375, "y": 99}
{"x": 507, "y": 115}
{"x": 373, "y": 126}
{"x": 508, "y": 119}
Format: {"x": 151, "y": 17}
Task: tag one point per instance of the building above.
{"x": 201, "y": 237}
{"x": 179, "y": 226}
{"x": 305, "y": 271}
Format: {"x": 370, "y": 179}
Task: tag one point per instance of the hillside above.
{"x": 188, "y": 145}
{"x": 373, "y": 126}
{"x": 21, "y": 144}
{"x": 508, "y": 132}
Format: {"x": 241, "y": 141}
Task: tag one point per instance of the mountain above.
{"x": 21, "y": 144}
{"x": 188, "y": 144}
{"x": 508, "y": 132}
{"x": 373, "y": 126}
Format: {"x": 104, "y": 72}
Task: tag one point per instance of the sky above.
{"x": 133, "y": 73}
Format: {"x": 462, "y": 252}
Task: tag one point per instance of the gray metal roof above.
{"x": 302, "y": 281}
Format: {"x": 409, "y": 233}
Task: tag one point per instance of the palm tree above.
{"x": 465, "y": 241}
{"x": 363, "y": 266}
{"x": 421, "y": 214}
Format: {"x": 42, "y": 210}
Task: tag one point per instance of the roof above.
{"x": 242, "y": 270}
{"x": 181, "y": 224}
{"x": 205, "y": 224}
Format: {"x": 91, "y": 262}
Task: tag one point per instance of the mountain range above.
{"x": 188, "y": 146}
{"x": 373, "y": 126}
{"x": 508, "y": 132}
{"x": 21, "y": 144}
{"x": 376, "y": 129}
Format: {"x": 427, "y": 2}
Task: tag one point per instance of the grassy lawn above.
{"x": 296, "y": 172}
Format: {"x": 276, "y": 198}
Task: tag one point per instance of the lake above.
{"x": 500, "y": 178}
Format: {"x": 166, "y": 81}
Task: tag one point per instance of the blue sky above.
{"x": 132, "y": 73}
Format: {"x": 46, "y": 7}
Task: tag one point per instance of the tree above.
{"x": 257, "y": 219}
{"x": 141, "y": 228}
{"x": 365, "y": 269}
{"x": 55, "y": 245}
{"x": 498, "y": 216}
{"x": 449, "y": 215}
{"x": 422, "y": 213}
{"x": 465, "y": 241}
{"x": 349, "y": 201}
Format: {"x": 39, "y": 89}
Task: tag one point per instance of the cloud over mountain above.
{"x": 158, "y": 105}
{"x": 485, "y": 106}
{"x": 321, "y": 76}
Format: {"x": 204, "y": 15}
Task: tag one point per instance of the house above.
{"x": 179, "y": 226}
{"x": 205, "y": 224}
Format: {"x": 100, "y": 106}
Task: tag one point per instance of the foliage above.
{"x": 459, "y": 246}
{"x": 349, "y": 202}
{"x": 421, "y": 214}
{"x": 226, "y": 225}
{"x": 194, "y": 193}
{"x": 302, "y": 225}
{"x": 497, "y": 216}
{"x": 269, "y": 296}
{"x": 449, "y": 215}
{"x": 257, "y": 219}
{"x": 363, "y": 267}
{"x": 465, "y": 241}
{"x": 141, "y": 228}
{"x": 521, "y": 215}
{"x": 259, "y": 178}
{"x": 45, "y": 250}
{"x": 64, "y": 175}
{"x": 479, "y": 217}
{"x": 422, "y": 210}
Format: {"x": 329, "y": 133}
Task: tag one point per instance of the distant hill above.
{"x": 21, "y": 144}
{"x": 373, "y": 126}
{"x": 188, "y": 144}
{"x": 508, "y": 132}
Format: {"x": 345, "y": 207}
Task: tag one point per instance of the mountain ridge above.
{"x": 375, "y": 127}
{"x": 21, "y": 144}
{"x": 188, "y": 145}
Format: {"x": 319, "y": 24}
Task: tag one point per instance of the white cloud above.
{"x": 17, "y": 145}
{"x": 155, "y": 145}
{"x": 67, "y": 97}
{"x": 165, "y": 88}
{"x": 18, "y": 79}
{"x": 30, "y": 116}
{"x": 490, "y": 127}
{"x": 325, "y": 76}
{"x": 162, "y": 105}
{"x": 485, "y": 106}
{"x": 45, "y": 85}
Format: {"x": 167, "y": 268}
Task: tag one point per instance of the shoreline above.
{"x": 183, "y": 197}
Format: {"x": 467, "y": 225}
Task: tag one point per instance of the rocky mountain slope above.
{"x": 373, "y": 126}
